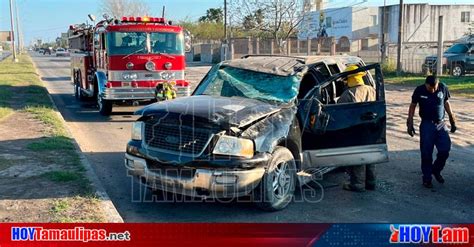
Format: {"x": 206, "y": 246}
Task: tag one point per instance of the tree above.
{"x": 213, "y": 15}
{"x": 253, "y": 20}
{"x": 203, "y": 30}
{"x": 470, "y": 30}
{"x": 119, "y": 8}
{"x": 278, "y": 19}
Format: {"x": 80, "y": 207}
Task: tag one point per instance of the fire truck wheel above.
{"x": 105, "y": 106}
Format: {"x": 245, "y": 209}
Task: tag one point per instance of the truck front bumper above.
{"x": 130, "y": 93}
{"x": 200, "y": 182}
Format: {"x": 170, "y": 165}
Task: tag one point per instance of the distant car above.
{"x": 61, "y": 52}
{"x": 458, "y": 60}
{"x": 45, "y": 50}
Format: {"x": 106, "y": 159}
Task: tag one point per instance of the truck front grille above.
{"x": 176, "y": 138}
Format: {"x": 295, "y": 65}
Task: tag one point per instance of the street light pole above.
{"x": 225, "y": 20}
{"x": 12, "y": 36}
{"x": 18, "y": 30}
{"x": 400, "y": 40}
{"x": 384, "y": 47}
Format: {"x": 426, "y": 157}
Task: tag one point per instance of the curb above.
{"x": 112, "y": 215}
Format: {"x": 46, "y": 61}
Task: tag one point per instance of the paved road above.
{"x": 399, "y": 198}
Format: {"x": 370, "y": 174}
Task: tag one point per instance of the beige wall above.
{"x": 421, "y": 22}
{"x": 4, "y": 36}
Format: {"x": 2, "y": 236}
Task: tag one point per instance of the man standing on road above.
{"x": 433, "y": 99}
{"x": 357, "y": 92}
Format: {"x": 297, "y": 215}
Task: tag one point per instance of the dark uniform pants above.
{"x": 429, "y": 138}
{"x": 358, "y": 173}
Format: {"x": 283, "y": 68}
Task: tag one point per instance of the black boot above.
{"x": 428, "y": 184}
{"x": 439, "y": 178}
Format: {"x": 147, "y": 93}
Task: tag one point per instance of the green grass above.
{"x": 59, "y": 206}
{"x": 5, "y": 111}
{"x": 49, "y": 117}
{"x": 56, "y": 143}
{"x": 62, "y": 176}
{"x": 459, "y": 85}
{"x": 21, "y": 90}
{"x": 19, "y": 81}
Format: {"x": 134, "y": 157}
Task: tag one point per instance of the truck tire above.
{"x": 457, "y": 70}
{"x": 277, "y": 188}
{"x": 105, "y": 106}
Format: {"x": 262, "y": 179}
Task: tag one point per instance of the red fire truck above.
{"x": 123, "y": 60}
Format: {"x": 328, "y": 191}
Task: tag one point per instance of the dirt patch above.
{"x": 41, "y": 176}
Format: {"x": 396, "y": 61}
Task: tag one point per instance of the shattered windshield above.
{"x": 233, "y": 82}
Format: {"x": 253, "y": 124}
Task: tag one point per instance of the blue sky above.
{"x": 46, "y": 19}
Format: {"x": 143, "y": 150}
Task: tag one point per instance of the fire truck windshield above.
{"x": 128, "y": 43}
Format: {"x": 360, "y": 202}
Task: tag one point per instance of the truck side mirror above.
{"x": 91, "y": 17}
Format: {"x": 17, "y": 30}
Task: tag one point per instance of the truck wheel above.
{"x": 277, "y": 187}
{"x": 457, "y": 70}
{"x": 105, "y": 106}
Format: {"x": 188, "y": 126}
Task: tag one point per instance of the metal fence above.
{"x": 413, "y": 53}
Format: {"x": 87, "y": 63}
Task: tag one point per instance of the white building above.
{"x": 421, "y": 21}
{"x": 356, "y": 28}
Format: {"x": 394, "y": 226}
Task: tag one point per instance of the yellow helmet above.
{"x": 356, "y": 79}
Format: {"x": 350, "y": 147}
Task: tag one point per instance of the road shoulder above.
{"x": 44, "y": 176}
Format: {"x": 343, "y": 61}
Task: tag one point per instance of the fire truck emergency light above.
{"x": 143, "y": 19}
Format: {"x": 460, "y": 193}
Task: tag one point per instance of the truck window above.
{"x": 171, "y": 43}
{"x": 458, "y": 49}
{"x": 315, "y": 76}
{"x": 102, "y": 41}
{"x": 334, "y": 69}
{"x": 96, "y": 40}
{"x": 124, "y": 43}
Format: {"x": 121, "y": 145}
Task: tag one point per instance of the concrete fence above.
{"x": 414, "y": 53}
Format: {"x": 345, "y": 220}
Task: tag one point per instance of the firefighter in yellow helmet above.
{"x": 356, "y": 92}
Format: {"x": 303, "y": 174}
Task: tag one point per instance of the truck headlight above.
{"x": 229, "y": 145}
{"x": 129, "y": 76}
{"x": 168, "y": 75}
{"x": 137, "y": 131}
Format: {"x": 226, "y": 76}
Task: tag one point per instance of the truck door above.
{"x": 470, "y": 60}
{"x": 349, "y": 133}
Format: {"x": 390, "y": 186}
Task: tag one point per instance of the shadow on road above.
{"x": 56, "y": 78}
{"x": 399, "y": 197}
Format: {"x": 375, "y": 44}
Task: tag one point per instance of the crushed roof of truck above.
{"x": 285, "y": 65}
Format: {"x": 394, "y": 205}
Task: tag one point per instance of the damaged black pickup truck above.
{"x": 259, "y": 125}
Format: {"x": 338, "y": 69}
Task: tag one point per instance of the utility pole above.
{"x": 225, "y": 46}
{"x": 225, "y": 21}
{"x": 439, "y": 61}
{"x": 383, "y": 49}
{"x": 400, "y": 40}
{"x": 12, "y": 36}
{"x": 18, "y": 30}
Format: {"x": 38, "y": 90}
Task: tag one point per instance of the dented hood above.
{"x": 224, "y": 111}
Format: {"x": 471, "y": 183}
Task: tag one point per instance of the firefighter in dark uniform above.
{"x": 433, "y": 98}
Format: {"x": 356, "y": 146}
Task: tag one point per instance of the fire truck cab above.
{"x": 124, "y": 60}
